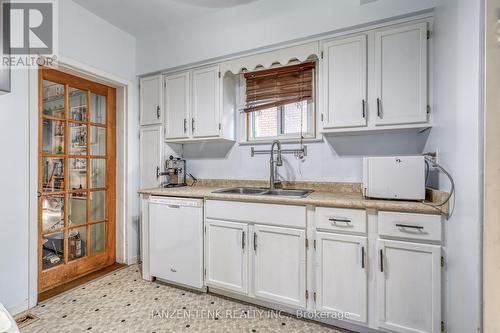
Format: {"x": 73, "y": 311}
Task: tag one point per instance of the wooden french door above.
{"x": 76, "y": 205}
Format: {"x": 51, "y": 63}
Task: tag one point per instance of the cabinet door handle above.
{"x": 185, "y": 125}
{"x": 410, "y": 226}
{"x": 363, "y": 108}
{"x": 192, "y": 124}
{"x": 255, "y": 241}
{"x": 379, "y": 108}
{"x": 381, "y": 260}
{"x": 157, "y": 173}
{"x": 243, "y": 240}
{"x": 157, "y": 112}
{"x": 363, "y": 257}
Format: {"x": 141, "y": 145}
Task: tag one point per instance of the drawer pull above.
{"x": 173, "y": 206}
{"x": 410, "y": 226}
{"x": 340, "y": 220}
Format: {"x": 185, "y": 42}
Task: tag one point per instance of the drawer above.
{"x": 410, "y": 226}
{"x": 251, "y": 212}
{"x": 341, "y": 219}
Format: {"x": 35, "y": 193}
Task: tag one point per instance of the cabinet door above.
{"x": 151, "y": 98}
{"x": 401, "y": 75}
{"x": 177, "y": 106}
{"x": 176, "y": 243}
{"x": 280, "y": 265}
{"x": 409, "y": 286}
{"x": 344, "y": 82}
{"x": 226, "y": 253}
{"x": 341, "y": 272}
{"x": 205, "y": 120}
{"x": 150, "y": 155}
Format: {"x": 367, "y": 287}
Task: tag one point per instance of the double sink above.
{"x": 292, "y": 193}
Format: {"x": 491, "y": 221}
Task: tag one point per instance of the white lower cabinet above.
{"x": 409, "y": 287}
{"x": 341, "y": 275}
{"x": 226, "y": 260}
{"x": 280, "y": 265}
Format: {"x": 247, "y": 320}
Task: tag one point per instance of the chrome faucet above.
{"x": 273, "y": 164}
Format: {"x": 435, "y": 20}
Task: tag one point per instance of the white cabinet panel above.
{"x": 176, "y": 243}
{"x": 226, "y": 253}
{"x": 409, "y": 287}
{"x": 341, "y": 275}
{"x": 206, "y": 102}
{"x": 280, "y": 265}
{"x": 401, "y": 75}
{"x": 151, "y": 100}
{"x": 345, "y": 82}
{"x": 177, "y": 106}
{"x": 151, "y": 147}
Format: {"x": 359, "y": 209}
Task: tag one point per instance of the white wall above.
{"x": 84, "y": 38}
{"x": 457, "y": 135}
{"x": 260, "y": 24}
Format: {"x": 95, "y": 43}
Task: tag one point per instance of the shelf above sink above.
{"x": 292, "y": 193}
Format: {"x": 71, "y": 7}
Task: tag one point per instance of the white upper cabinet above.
{"x": 226, "y": 255}
{"x": 401, "y": 75}
{"x": 345, "y": 82}
{"x": 409, "y": 287}
{"x": 341, "y": 273}
{"x": 200, "y": 105}
{"x": 177, "y": 100}
{"x": 377, "y": 80}
{"x": 205, "y": 120}
{"x": 151, "y": 144}
{"x": 151, "y": 100}
{"x": 280, "y": 265}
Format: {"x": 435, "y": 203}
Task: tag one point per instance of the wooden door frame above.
{"x": 491, "y": 187}
{"x": 125, "y": 115}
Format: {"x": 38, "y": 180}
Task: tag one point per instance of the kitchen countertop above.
{"x": 325, "y": 195}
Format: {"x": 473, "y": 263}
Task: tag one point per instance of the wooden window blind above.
{"x": 279, "y": 86}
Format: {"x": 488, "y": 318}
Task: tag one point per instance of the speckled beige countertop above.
{"x": 341, "y": 195}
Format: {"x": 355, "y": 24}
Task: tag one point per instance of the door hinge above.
{"x": 314, "y": 297}
{"x": 429, "y": 34}
{"x": 443, "y": 262}
{"x": 428, "y": 109}
{"x": 443, "y": 326}
{"x": 307, "y": 243}
{"x": 307, "y": 294}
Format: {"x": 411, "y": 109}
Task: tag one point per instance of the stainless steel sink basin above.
{"x": 288, "y": 193}
{"x": 262, "y": 191}
{"x": 242, "y": 190}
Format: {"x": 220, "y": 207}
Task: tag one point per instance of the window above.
{"x": 279, "y": 103}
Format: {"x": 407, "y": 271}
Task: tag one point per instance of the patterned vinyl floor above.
{"x": 123, "y": 302}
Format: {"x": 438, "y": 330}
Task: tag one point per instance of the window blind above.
{"x": 279, "y": 86}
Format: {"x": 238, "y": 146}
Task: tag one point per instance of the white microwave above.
{"x": 394, "y": 177}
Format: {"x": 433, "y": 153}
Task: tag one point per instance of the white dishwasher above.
{"x": 176, "y": 240}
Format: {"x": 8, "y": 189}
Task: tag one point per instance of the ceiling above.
{"x": 141, "y": 17}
